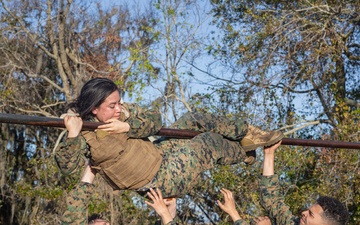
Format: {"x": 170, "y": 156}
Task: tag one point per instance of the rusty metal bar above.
{"x": 42, "y": 121}
{"x": 166, "y": 132}
{"x": 320, "y": 143}
{"x": 285, "y": 141}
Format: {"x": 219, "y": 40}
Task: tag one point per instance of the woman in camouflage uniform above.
{"x": 122, "y": 154}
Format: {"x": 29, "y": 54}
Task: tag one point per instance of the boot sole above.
{"x": 266, "y": 144}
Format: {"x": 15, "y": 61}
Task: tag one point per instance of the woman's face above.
{"x": 109, "y": 109}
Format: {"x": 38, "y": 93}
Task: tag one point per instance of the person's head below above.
{"x": 99, "y": 98}
{"x": 325, "y": 211}
{"x": 96, "y": 219}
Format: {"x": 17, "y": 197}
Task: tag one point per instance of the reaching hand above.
{"x": 269, "y": 159}
{"x": 115, "y": 126}
{"x": 229, "y": 204}
{"x": 171, "y": 206}
{"x": 159, "y": 205}
{"x": 271, "y": 149}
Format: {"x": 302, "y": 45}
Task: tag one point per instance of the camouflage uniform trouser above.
{"x": 77, "y": 202}
{"x": 186, "y": 159}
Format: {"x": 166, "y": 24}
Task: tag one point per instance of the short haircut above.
{"x": 335, "y": 212}
{"x": 96, "y": 218}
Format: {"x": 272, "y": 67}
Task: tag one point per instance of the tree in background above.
{"x": 180, "y": 32}
{"x": 297, "y": 64}
{"x": 48, "y": 49}
{"x": 297, "y": 49}
{"x": 267, "y": 56}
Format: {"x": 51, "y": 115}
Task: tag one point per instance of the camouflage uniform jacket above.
{"x": 172, "y": 223}
{"x": 143, "y": 123}
{"x": 273, "y": 201}
{"x": 241, "y": 222}
{"x": 176, "y": 221}
{"x": 77, "y": 206}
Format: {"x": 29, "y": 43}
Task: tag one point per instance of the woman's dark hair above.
{"x": 92, "y": 95}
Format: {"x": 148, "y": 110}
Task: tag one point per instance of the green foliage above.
{"x": 278, "y": 48}
{"x": 287, "y": 67}
{"x": 293, "y": 71}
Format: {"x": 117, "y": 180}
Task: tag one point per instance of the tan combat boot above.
{"x": 255, "y": 138}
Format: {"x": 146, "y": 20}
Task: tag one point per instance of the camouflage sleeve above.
{"x": 143, "y": 122}
{"x": 77, "y": 205}
{"x": 241, "y": 222}
{"x": 69, "y": 155}
{"x": 273, "y": 202}
{"x": 175, "y": 221}
{"x": 172, "y": 223}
